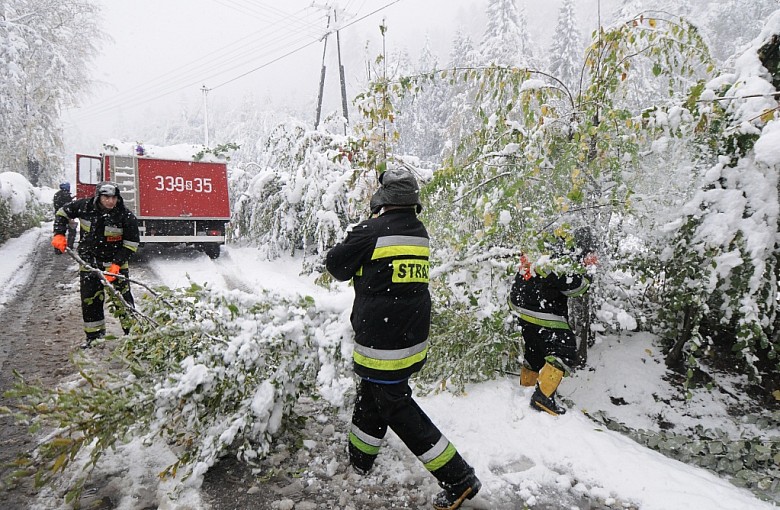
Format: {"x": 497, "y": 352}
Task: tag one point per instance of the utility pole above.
{"x": 205, "y": 116}
{"x": 342, "y": 81}
{"x": 322, "y": 76}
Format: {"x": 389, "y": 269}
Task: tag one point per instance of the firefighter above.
{"x": 61, "y": 198}
{"x": 539, "y": 299}
{"x": 386, "y": 257}
{"x": 109, "y": 237}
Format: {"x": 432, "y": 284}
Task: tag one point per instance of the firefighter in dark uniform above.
{"x": 387, "y": 259}
{"x": 61, "y": 198}
{"x": 109, "y": 237}
{"x": 540, "y": 299}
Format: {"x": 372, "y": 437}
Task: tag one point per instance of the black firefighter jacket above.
{"x": 387, "y": 258}
{"x": 61, "y": 198}
{"x": 107, "y": 236}
{"x": 542, "y": 299}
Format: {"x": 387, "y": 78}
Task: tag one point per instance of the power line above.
{"x": 266, "y": 64}
{"x": 309, "y": 44}
{"x": 139, "y": 99}
{"x": 191, "y": 74}
{"x": 217, "y": 57}
{"x": 240, "y": 6}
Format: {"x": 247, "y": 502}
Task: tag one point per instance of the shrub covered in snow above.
{"x": 721, "y": 255}
{"x": 20, "y": 208}
{"x": 302, "y": 195}
{"x": 205, "y": 372}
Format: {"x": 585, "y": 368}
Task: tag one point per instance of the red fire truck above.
{"x": 175, "y": 200}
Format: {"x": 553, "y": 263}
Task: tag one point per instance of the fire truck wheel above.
{"x": 212, "y": 250}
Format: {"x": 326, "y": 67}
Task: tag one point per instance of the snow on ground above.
{"x": 514, "y": 449}
{"x": 15, "y": 269}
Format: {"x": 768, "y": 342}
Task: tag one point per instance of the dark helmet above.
{"x": 579, "y": 245}
{"x": 65, "y": 186}
{"x": 397, "y": 186}
{"x": 107, "y": 188}
{"x": 585, "y": 240}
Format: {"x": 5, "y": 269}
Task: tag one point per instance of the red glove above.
{"x": 525, "y": 267}
{"x": 590, "y": 260}
{"x": 113, "y": 268}
{"x": 59, "y": 242}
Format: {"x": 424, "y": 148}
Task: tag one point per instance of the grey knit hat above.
{"x": 397, "y": 186}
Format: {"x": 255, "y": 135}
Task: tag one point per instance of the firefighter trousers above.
{"x": 379, "y": 406}
{"x": 540, "y": 342}
{"x": 93, "y": 297}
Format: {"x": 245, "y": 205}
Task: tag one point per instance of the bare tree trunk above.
{"x": 674, "y": 358}
{"x": 580, "y": 317}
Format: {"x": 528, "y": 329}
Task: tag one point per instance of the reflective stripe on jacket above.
{"x": 543, "y": 300}
{"x": 106, "y": 235}
{"x": 388, "y": 260}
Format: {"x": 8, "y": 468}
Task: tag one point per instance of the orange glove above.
{"x": 114, "y": 268}
{"x": 59, "y": 242}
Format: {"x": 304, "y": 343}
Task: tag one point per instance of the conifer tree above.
{"x": 567, "y": 49}
{"x": 506, "y": 41}
{"x": 461, "y": 117}
{"x": 421, "y": 119}
{"x": 733, "y": 23}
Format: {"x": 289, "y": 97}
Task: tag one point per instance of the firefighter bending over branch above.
{"x": 539, "y": 299}
{"x": 109, "y": 237}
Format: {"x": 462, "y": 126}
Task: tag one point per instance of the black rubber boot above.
{"x": 455, "y": 494}
{"x": 543, "y": 398}
{"x": 542, "y": 402}
{"x": 361, "y": 462}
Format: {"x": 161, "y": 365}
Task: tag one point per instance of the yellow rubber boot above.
{"x": 543, "y": 398}
{"x": 528, "y": 377}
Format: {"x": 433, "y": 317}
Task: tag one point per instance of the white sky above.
{"x": 162, "y": 53}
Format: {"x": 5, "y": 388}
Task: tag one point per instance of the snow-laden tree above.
{"x": 642, "y": 84}
{"x": 734, "y": 23}
{"x": 692, "y": 10}
{"x": 206, "y": 373}
{"x": 540, "y": 163}
{"x": 721, "y": 267}
{"x": 506, "y": 41}
{"x": 566, "y": 53}
{"x": 20, "y": 208}
{"x": 45, "y": 46}
{"x": 458, "y": 101}
{"x": 301, "y": 194}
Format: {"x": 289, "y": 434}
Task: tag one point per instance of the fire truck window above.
{"x": 89, "y": 170}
